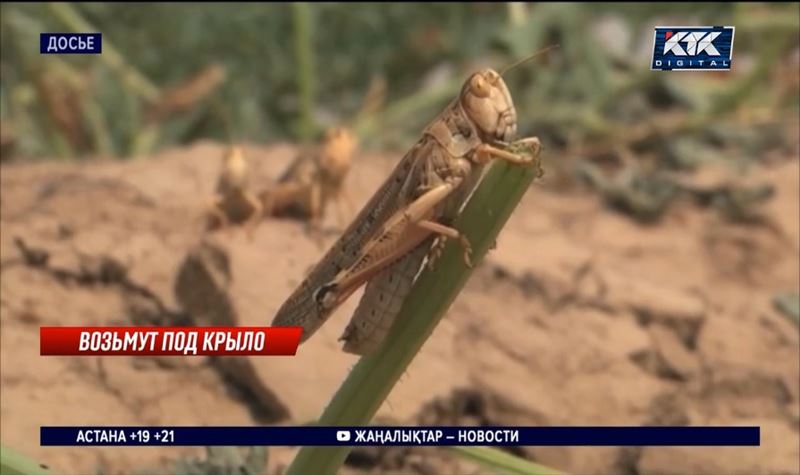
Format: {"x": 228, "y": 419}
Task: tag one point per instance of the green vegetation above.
{"x": 173, "y": 73}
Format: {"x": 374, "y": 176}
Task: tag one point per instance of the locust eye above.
{"x": 479, "y": 86}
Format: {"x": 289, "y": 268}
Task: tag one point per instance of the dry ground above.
{"x": 580, "y": 316}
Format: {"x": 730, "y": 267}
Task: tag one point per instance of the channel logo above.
{"x": 343, "y": 435}
{"x": 692, "y": 48}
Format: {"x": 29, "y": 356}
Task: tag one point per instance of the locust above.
{"x": 314, "y": 179}
{"x": 234, "y": 202}
{"x": 405, "y": 224}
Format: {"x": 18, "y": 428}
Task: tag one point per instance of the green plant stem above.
{"x": 301, "y": 16}
{"x": 503, "y": 462}
{"x": 374, "y": 376}
{"x": 135, "y": 80}
{"x": 14, "y": 463}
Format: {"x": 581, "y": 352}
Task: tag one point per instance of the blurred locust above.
{"x": 234, "y": 202}
{"x": 314, "y": 179}
{"x": 406, "y": 222}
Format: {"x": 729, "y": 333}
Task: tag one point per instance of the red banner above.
{"x": 169, "y": 341}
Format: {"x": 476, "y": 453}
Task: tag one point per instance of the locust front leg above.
{"x": 214, "y": 209}
{"x": 256, "y": 213}
{"x": 446, "y": 232}
{"x": 315, "y": 215}
{"x": 485, "y": 152}
{"x": 345, "y": 206}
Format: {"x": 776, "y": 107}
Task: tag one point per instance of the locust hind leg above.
{"x": 402, "y": 232}
{"x": 315, "y": 215}
{"x": 278, "y": 198}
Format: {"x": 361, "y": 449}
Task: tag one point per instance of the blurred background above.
{"x": 173, "y": 73}
{"x": 650, "y": 277}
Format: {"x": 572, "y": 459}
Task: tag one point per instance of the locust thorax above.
{"x": 337, "y": 150}
{"x": 487, "y": 103}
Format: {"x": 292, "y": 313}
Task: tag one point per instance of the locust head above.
{"x": 338, "y": 146}
{"x": 487, "y": 103}
{"x": 234, "y": 167}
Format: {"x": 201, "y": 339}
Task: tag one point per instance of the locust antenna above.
{"x": 529, "y": 58}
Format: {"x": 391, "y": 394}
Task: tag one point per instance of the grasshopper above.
{"x": 234, "y": 202}
{"x": 406, "y": 222}
{"x": 314, "y": 178}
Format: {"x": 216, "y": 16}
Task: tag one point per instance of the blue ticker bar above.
{"x": 408, "y": 436}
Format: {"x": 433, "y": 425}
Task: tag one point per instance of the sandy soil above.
{"x": 580, "y": 316}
